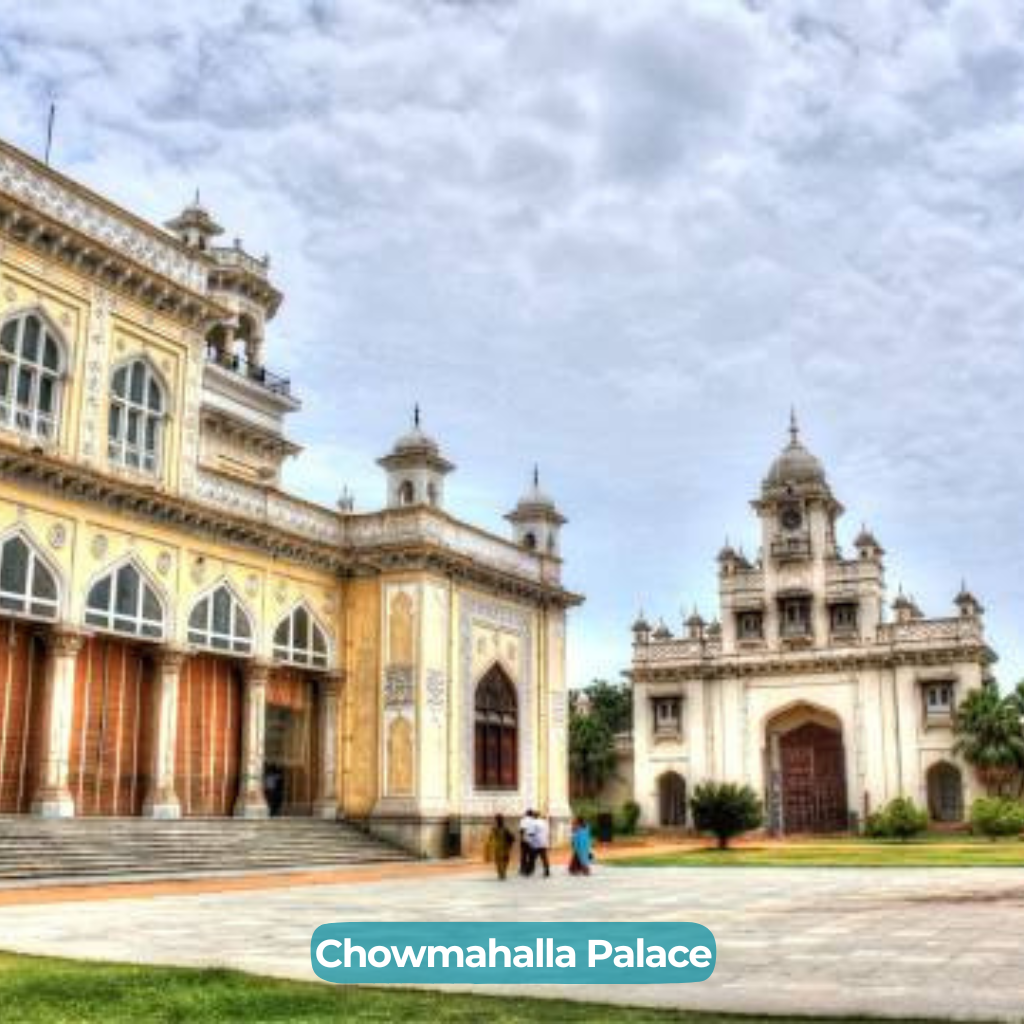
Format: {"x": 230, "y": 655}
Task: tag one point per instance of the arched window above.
{"x": 530, "y": 541}
{"x": 406, "y": 493}
{"x": 299, "y": 640}
{"x": 136, "y": 417}
{"x": 497, "y": 739}
{"x": 27, "y": 587}
{"x": 31, "y": 367}
{"x": 124, "y": 602}
{"x": 219, "y": 621}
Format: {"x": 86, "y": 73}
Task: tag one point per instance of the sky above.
{"x": 618, "y": 240}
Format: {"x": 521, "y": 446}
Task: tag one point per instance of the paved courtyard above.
{"x": 922, "y": 942}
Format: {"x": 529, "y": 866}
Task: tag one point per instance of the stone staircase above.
{"x": 90, "y": 849}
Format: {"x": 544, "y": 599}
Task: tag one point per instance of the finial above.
{"x": 196, "y": 200}
{"x": 416, "y": 415}
{"x": 536, "y": 476}
{"x": 794, "y": 429}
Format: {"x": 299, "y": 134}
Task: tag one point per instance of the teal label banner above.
{"x": 513, "y": 952}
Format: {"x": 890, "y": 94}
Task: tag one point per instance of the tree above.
{"x": 591, "y": 753}
{"x": 990, "y": 735}
{"x": 596, "y": 714}
{"x": 725, "y": 809}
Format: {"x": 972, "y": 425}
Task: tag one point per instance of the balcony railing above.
{"x": 785, "y": 548}
{"x": 251, "y": 371}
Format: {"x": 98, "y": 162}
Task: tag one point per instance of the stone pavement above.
{"x": 886, "y": 941}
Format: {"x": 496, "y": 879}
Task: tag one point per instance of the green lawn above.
{"x": 959, "y": 851}
{"x": 34, "y": 990}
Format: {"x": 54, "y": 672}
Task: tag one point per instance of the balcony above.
{"x": 786, "y": 549}
{"x": 250, "y": 371}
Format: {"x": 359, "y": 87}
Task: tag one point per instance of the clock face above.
{"x": 791, "y": 518}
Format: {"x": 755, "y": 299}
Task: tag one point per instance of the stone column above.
{"x": 53, "y": 798}
{"x": 252, "y": 801}
{"x": 329, "y": 691}
{"x": 162, "y": 800}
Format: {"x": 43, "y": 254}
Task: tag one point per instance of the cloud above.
{"x": 616, "y": 239}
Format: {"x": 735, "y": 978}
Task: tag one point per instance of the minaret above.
{"x": 415, "y": 469}
{"x": 194, "y": 226}
{"x": 536, "y": 521}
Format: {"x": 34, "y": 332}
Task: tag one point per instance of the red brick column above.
{"x": 328, "y": 693}
{"x": 162, "y": 800}
{"x": 53, "y": 797}
{"x": 252, "y": 801}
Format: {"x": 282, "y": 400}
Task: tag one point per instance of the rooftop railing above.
{"x": 251, "y": 371}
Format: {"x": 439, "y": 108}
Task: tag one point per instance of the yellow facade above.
{"x": 415, "y": 607}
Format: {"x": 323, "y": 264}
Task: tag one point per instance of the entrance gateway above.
{"x": 806, "y": 772}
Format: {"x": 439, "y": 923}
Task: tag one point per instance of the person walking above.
{"x": 525, "y": 843}
{"x": 499, "y": 845}
{"x": 582, "y": 853}
{"x": 539, "y": 840}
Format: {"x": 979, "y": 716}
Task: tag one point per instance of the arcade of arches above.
{"x": 94, "y": 723}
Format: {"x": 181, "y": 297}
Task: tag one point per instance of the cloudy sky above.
{"x": 617, "y": 239}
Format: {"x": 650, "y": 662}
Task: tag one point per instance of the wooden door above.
{"x": 111, "y": 732}
{"x": 22, "y": 676}
{"x": 813, "y": 780}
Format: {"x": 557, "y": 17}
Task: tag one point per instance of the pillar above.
{"x": 252, "y": 801}
{"x": 53, "y": 798}
{"x": 162, "y": 800}
{"x": 326, "y": 804}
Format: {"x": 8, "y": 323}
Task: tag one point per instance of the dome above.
{"x": 536, "y": 503}
{"x": 415, "y": 441}
{"x": 796, "y": 465}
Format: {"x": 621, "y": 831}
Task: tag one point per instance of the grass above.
{"x": 41, "y": 989}
{"x": 928, "y": 851}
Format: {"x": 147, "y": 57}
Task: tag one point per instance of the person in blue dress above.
{"x": 582, "y": 854}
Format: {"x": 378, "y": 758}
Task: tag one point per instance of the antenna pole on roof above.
{"x": 49, "y": 132}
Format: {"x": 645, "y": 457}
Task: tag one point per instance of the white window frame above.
{"x": 137, "y": 455}
{"x": 206, "y": 636}
{"x": 29, "y": 419}
{"x": 133, "y": 623}
{"x": 942, "y": 708}
{"x": 287, "y": 653}
{"x": 28, "y": 604}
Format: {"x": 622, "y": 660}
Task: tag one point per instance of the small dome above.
{"x": 727, "y": 554}
{"x": 415, "y": 441}
{"x": 796, "y": 465}
{"x": 641, "y": 625}
{"x": 536, "y": 504}
{"x": 662, "y": 632}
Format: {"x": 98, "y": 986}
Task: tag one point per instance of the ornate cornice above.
{"x": 864, "y": 658}
{"x": 345, "y": 556}
{"x": 63, "y": 221}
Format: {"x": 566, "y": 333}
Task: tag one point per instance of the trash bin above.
{"x": 605, "y": 826}
{"x": 453, "y": 838}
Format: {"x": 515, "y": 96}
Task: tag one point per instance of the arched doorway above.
{"x": 945, "y": 792}
{"x": 807, "y": 771}
{"x": 671, "y": 799}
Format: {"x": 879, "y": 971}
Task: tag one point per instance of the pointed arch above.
{"x": 33, "y": 365}
{"x": 30, "y": 584}
{"x": 139, "y": 398}
{"x": 300, "y": 639}
{"x": 220, "y": 621}
{"x": 126, "y": 600}
{"x": 496, "y": 716}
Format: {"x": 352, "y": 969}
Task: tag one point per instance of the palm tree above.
{"x": 990, "y": 735}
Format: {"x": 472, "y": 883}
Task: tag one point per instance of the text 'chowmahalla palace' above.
{"x": 804, "y": 689}
{"x": 181, "y": 637}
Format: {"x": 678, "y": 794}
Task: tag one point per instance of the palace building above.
{"x": 180, "y": 637}
{"x": 804, "y": 688}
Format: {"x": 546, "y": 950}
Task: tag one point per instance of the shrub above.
{"x": 627, "y": 818}
{"x": 997, "y": 816}
{"x": 899, "y": 819}
{"x": 725, "y": 809}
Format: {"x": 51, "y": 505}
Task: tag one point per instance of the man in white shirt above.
{"x": 526, "y": 823}
{"x": 539, "y": 841}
